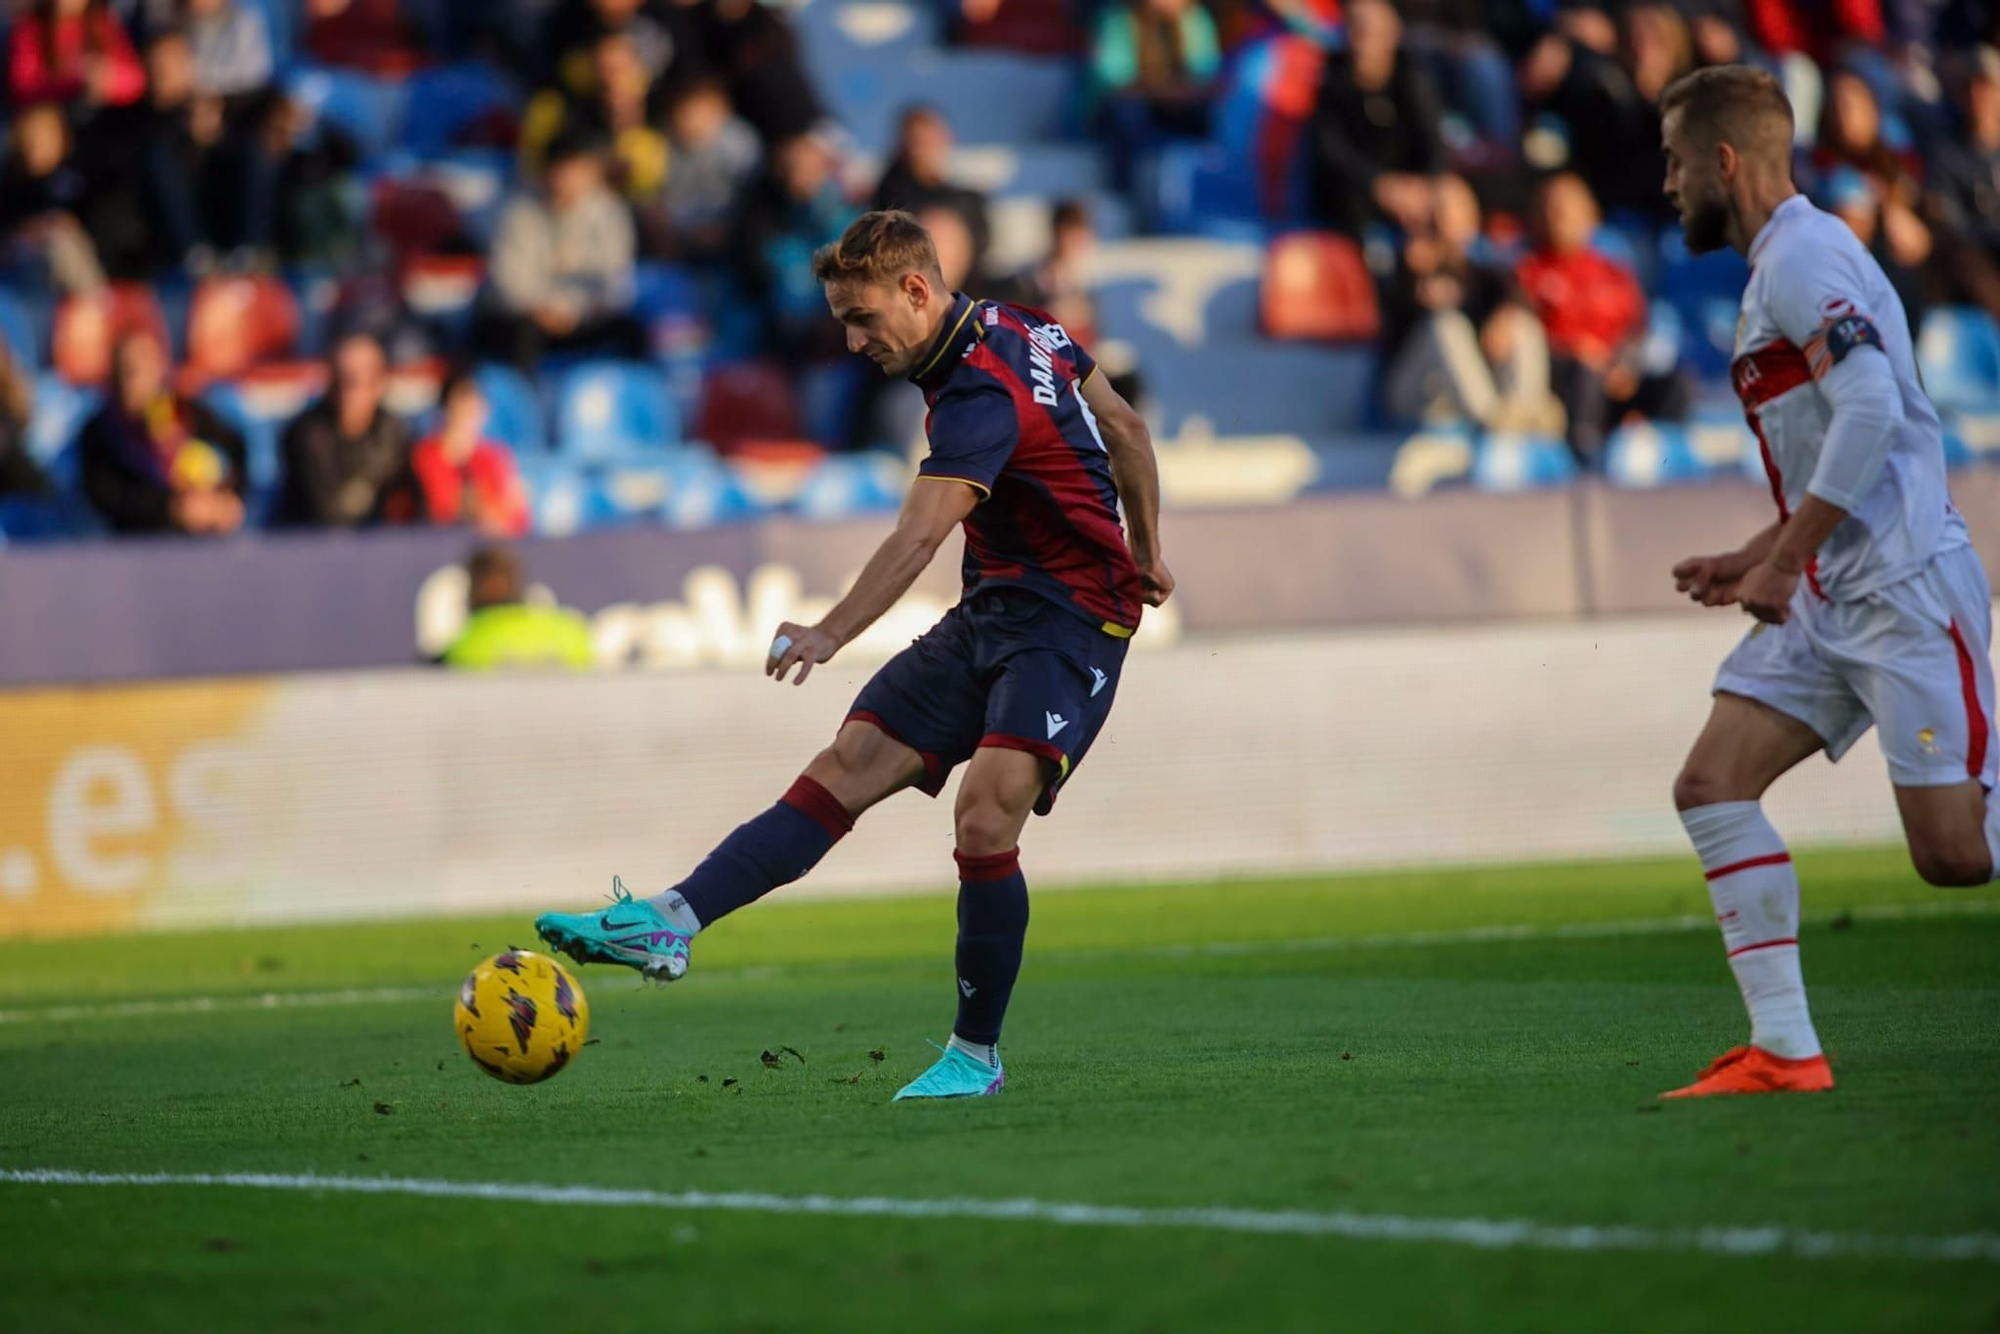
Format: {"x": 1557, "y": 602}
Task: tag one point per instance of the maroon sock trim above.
{"x": 820, "y": 806}
{"x": 985, "y": 870}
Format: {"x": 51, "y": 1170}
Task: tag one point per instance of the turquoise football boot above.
{"x": 955, "y": 1075}
{"x": 631, "y": 932}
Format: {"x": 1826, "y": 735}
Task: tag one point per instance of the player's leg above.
{"x": 1931, "y": 690}
{"x": 1777, "y": 703}
{"x": 1048, "y": 703}
{"x": 916, "y": 716}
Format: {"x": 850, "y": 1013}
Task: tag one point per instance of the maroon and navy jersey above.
{"x": 1005, "y": 389}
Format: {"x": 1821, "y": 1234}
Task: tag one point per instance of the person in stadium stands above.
{"x": 1872, "y": 605}
{"x": 75, "y": 52}
{"x": 622, "y": 110}
{"x": 562, "y": 275}
{"x": 347, "y": 457}
{"x": 1056, "y": 283}
{"x": 1594, "y": 313}
{"x": 153, "y": 461}
{"x": 1601, "y": 85}
{"x": 713, "y": 157}
{"x": 44, "y": 197}
{"x": 1889, "y": 230}
{"x": 1034, "y": 454}
{"x": 1964, "y": 190}
{"x": 503, "y": 631}
{"x": 1373, "y": 138}
{"x": 464, "y": 476}
{"x": 209, "y": 187}
{"x": 233, "y": 55}
{"x": 1464, "y": 346}
{"x": 665, "y": 35}
{"x": 797, "y": 207}
{"x": 918, "y": 178}
{"x": 1153, "y": 66}
{"x": 753, "y": 48}
{"x": 19, "y": 474}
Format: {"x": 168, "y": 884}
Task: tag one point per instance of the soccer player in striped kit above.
{"x": 1035, "y": 456}
{"x": 1872, "y": 607}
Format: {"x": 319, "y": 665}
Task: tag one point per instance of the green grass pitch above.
{"x": 1359, "y": 1047}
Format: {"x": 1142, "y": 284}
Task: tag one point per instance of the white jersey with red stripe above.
{"x": 1815, "y": 295}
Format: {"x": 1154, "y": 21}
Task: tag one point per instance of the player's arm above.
{"x": 1852, "y": 373}
{"x": 933, "y": 508}
{"x": 1136, "y": 473}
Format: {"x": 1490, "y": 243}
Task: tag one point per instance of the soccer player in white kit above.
{"x": 1872, "y": 606}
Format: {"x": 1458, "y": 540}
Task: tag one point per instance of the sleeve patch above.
{"x": 1838, "y": 337}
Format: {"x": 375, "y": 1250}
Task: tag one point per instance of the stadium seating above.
{"x": 514, "y": 410}
{"x": 17, "y": 330}
{"x": 1958, "y": 351}
{"x": 1506, "y": 462}
{"x": 609, "y": 410}
{"x": 236, "y": 323}
{"x": 87, "y": 325}
{"x": 1316, "y": 285}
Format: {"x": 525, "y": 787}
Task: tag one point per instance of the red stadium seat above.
{"x": 1317, "y": 286}
{"x": 415, "y": 218}
{"x": 743, "y": 403}
{"x": 236, "y": 323}
{"x": 87, "y": 325}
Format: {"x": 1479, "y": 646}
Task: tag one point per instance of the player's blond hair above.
{"x": 1735, "y": 104}
{"x": 879, "y": 247}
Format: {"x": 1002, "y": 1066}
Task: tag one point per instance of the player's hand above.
{"x": 800, "y": 646}
{"x": 1156, "y": 582}
{"x": 1712, "y": 580}
{"x": 1766, "y": 593}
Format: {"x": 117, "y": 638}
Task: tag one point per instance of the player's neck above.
{"x": 1753, "y": 211}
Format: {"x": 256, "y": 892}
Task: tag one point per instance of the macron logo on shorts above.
{"x": 1097, "y": 672}
{"x": 1056, "y": 724}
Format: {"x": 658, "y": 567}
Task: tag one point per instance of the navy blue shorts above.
{"x": 1003, "y": 668}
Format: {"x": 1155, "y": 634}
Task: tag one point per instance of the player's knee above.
{"x": 1698, "y": 785}
{"x": 985, "y": 826}
{"x": 1953, "y": 866}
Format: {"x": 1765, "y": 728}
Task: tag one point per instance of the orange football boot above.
{"x": 1754, "y": 1070}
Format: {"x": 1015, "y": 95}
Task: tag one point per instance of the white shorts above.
{"x": 1913, "y": 659}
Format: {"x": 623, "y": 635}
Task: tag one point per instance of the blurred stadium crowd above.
{"x": 532, "y": 265}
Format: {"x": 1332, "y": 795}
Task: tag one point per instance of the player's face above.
{"x": 1695, "y": 188}
{"x": 885, "y": 324}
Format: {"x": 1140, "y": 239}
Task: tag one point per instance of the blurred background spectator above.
{"x": 503, "y": 631}
{"x": 1153, "y": 66}
{"x": 918, "y": 180}
{"x": 73, "y": 52}
{"x": 19, "y": 474}
{"x": 1374, "y": 130}
{"x": 154, "y": 461}
{"x": 465, "y": 476}
{"x": 562, "y": 264}
{"x": 45, "y": 198}
{"x": 1594, "y": 314}
{"x": 713, "y": 156}
{"x": 347, "y": 458}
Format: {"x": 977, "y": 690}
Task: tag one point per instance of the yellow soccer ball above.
{"x": 521, "y": 1017}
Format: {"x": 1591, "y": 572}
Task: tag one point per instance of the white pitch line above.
{"x": 1481, "y": 1233}
{"x": 1472, "y": 935}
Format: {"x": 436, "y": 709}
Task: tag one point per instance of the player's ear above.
{"x": 917, "y": 288}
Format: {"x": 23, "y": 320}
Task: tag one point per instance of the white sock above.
{"x": 675, "y": 909}
{"x": 1756, "y": 897}
{"x": 978, "y": 1051}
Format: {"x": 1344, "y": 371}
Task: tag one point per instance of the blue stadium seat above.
{"x": 988, "y": 97}
{"x": 849, "y": 484}
{"x": 1652, "y": 454}
{"x": 1958, "y": 352}
{"x": 1521, "y": 463}
{"x": 18, "y": 331}
{"x": 1707, "y": 290}
{"x": 60, "y": 411}
{"x": 46, "y": 518}
{"x": 703, "y": 492}
{"x": 360, "y": 105}
{"x": 612, "y": 410}
{"x": 442, "y": 100}
{"x": 514, "y": 409}
{"x": 557, "y": 494}
{"x": 260, "y": 436}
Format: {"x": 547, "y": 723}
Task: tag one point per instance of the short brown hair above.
{"x": 878, "y": 248}
{"x": 1728, "y": 103}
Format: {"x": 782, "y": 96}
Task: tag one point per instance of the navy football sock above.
{"x": 773, "y": 849}
{"x": 992, "y": 924}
